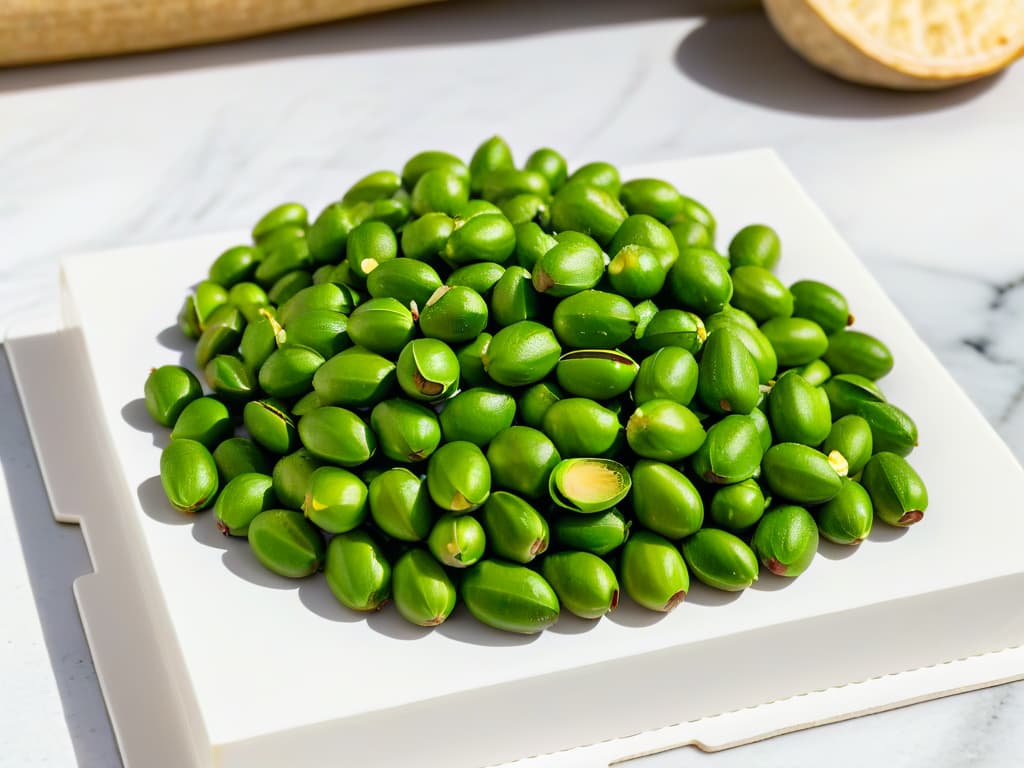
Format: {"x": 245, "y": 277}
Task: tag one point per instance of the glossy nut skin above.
{"x": 532, "y": 243}
{"x": 289, "y": 371}
{"x": 323, "y": 296}
{"x": 665, "y": 501}
{"x": 691, "y": 234}
{"x": 405, "y": 280}
{"x": 760, "y": 294}
{"x": 647, "y": 232}
{"x": 585, "y": 584}
{"x": 599, "y": 374}
{"x": 168, "y": 390}
{"x": 234, "y": 265}
{"x": 654, "y": 197}
{"x": 441, "y": 190}
{"x": 510, "y": 597}
{"x": 847, "y": 517}
{"x": 738, "y": 506}
{"x": 327, "y": 236}
{"x": 477, "y": 415}
{"x": 400, "y": 504}
{"x": 652, "y": 572}
{"x": 858, "y": 352}
{"x": 406, "y": 431}
{"x": 568, "y": 268}
{"x": 454, "y": 314}
{"x": 422, "y": 592}
{"x": 798, "y": 411}
{"x": 599, "y": 174}
{"x": 205, "y": 420}
{"x": 728, "y": 380}
{"x": 847, "y": 390}
{"x": 594, "y": 320}
{"x": 796, "y": 340}
{"x": 892, "y": 429}
{"x": 550, "y": 164}
{"x": 755, "y": 245}
{"x": 897, "y": 492}
{"x": 286, "y": 543}
{"x": 579, "y": 427}
{"x": 668, "y": 374}
{"x": 757, "y": 344}
{"x": 821, "y": 303}
{"x": 241, "y": 499}
{"x": 291, "y": 476}
{"x": 188, "y": 474}
{"x": 583, "y": 207}
{"x": 383, "y": 326}
{"x": 188, "y": 320}
{"x": 515, "y": 530}
{"x": 851, "y": 437}
{"x": 424, "y": 238}
{"x": 289, "y": 257}
{"x": 428, "y": 370}
{"x": 481, "y": 277}
{"x": 289, "y": 284}
{"x": 720, "y": 559}
{"x": 815, "y": 372}
{"x": 457, "y": 541}
{"x": 270, "y": 425}
{"x": 493, "y": 154}
{"x": 513, "y": 298}
{"x": 279, "y": 216}
{"x": 322, "y": 330}
{"x": 357, "y": 571}
{"x": 786, "y": 540}
{"x": 588, "y": 485}
{"x": 259, "y": 341}
{"x": 502, "y": 184}
{"x": 599, "y": 533}
{"x": 356, "y": 378}
{"x": 521, "y": 460}
{"x": 220, "y": 337}
{"x": 730, "y": 453}
{"x": 645, "y": 312}
{"x": 535, "y": 401}
{"x": 764, "y": 429}
{"x": 801, "y": 474}
{"x": 664, "y": 430}
{"x": 487, "y": 237}
{"x": 209, "y": 296}
{"x": 373, "y": 186}
{"x": 230, "y": 379}
{"x": 336, "y": 500}
{"x": 700, "y": 281}
{"x": 637, "y": 272}
{"x": 238, "y": 455}
{"x": 471, "y": 363}
{"x": 522, "y": 353}
{"x": 672, "y": 328}
{"x": 458, "y": 477}
{"x": 694, "y": 210}
{"x": 338, "y": 436}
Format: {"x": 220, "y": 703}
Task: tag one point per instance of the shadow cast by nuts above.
{"x": 568, "y": 624}
{"x": 153, "y": 501}
{"x": 463, "y": 628}
{"x": 702, "y": 594}
{"x": 770, "y": 582}
{"x": 882, "y": 532}
{"x": 136, "y": 416}
{"x": 629, "y": 614}
{"x": 741, "y": 57}
{"x": 834, "y": 551}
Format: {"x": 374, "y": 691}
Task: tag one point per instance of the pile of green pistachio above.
{"x": 523, "y": 388}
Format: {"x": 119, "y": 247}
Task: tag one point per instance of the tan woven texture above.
{"x": 33, "y": 31}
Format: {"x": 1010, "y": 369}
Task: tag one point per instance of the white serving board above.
{"x": 265, "y": 672}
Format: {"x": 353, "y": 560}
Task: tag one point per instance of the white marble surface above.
{"x": 925, "y": 187}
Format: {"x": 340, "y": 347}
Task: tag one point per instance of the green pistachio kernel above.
{"x": 652, "y": 572}
{"x": 458, "y": 477}
{"x": 665, "y": 501}
{"x": 585, "y": 584}
{"x": 357, "y": 571}
{"x": 286, "y": 543}
{"x": 588, "y": 485}
{"x": 509, "y": 597}
{"x": 188, "y": 474}
{"x": 244, "y": 497}
{"x": 720, "y": 559}
{"x": 786, "y": 540}
{"x": 168, "y": 390}
{"x": 897, "y": 492}
{"x": 457, "y": 541}
{"x": 336, "y": 500}
{"x": 400, "y": 504}
{"x": 422, "y": 591}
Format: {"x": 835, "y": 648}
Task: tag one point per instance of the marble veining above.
{"x": 925, "y": 187}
